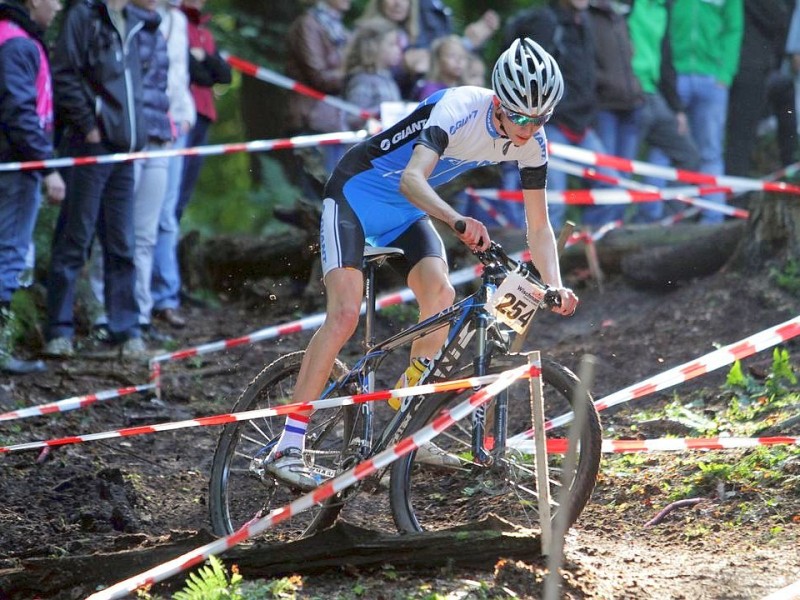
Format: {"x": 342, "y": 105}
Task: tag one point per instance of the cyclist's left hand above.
{"x": 569, "y": 302}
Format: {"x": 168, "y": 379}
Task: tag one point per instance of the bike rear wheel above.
{"x": 239, "y": 488}
{"x": 425, "y": 498}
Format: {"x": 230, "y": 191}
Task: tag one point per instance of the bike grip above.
{"x": 460, "y": 226}
{"x": 552, "y": 298}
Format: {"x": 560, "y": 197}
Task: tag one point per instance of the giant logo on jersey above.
{"x": 402, "y": 134}
{"x": 461, "y": 122}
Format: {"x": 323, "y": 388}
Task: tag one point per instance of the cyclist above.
{"x": 382, "y": 193}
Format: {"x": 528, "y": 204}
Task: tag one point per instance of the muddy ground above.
{"x": 736, "y": 542}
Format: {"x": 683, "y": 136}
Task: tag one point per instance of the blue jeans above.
{"x": 19, "y": 204}
{"x": 165, "y": 285}
{"x": 619, "y": 132}
{"x": 99, "y": 200}
{"x": 706, "y": 102}
{"x": 150, "y": 182}
{"x": 557, "y": 180}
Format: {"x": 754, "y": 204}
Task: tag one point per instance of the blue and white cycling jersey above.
{"x": 455, "y": 123}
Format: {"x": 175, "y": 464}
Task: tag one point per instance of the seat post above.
{"x": 374, "y": 257}
{"x": 370, "y": 296}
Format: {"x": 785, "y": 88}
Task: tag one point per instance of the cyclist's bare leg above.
{"x": 431, "y": 285}
{"x": 344, "y": 290}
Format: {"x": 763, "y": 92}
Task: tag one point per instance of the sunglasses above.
{"x": 523, "y": 120}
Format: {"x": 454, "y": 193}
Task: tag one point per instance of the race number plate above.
{"x": 515, "y": 301}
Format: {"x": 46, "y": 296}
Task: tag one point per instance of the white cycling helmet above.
{"x": 527, "y": 79}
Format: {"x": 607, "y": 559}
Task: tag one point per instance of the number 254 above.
{"x": 513, "y": 308}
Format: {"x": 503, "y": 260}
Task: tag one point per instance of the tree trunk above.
{"x": 478, "y": 546}
{"x": 773, "y": 233}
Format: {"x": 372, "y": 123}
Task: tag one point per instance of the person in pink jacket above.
{"x": 26, "y": 115}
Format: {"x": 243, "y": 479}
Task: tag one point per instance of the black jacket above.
{"x": 617, "y": 85}
{"x": 23, "y": 136}
{"x": 97, "y": 78}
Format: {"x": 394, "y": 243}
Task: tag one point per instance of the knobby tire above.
{"x": 425, "y": 498}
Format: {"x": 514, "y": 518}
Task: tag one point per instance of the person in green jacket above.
{"x": 663, "y": 124}
{"x": 706, "y": 41}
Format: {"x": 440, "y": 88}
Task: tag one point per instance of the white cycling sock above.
{"x": 294, "y": 432}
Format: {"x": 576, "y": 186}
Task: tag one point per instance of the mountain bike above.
{"x": 495, "y": 473}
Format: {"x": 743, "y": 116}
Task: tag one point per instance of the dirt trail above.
{"x": 119, "y": 494}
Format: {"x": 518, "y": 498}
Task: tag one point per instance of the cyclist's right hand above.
{"x": 472, "y": 232}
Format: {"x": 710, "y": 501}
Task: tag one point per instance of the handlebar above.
{"x": 495, "y": 256}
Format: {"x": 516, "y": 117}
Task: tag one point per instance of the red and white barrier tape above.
{"x": 620, "y": 196}
{"x": 689, "y": 370}
{"x": 679, "y": 445}
{"x": 285, "y": 409}
{"x": 322, "y": 493}
{"x": 301, "y": 141}
{"x": 73, "y": 403}
{"x": 559, "y": 445}
{"x": 268, "y": 76}
{"x": 596, "y": 159}
{"x": 592, "y": 174}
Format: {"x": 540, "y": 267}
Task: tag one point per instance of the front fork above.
{"x": 493, "y": 419}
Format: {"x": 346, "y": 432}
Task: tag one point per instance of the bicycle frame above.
{"x": 466, "y": 318}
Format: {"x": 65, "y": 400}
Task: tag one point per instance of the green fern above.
{"x": 211, "y": 582}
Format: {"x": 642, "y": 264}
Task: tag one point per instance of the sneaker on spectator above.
{"x": 430, "y": 454}
{"x": 60, "y": 347}
{"x": 133, "y": 348}
{"x": 289, "y": 467}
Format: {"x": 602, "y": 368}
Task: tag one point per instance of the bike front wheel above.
{"x": 429, "y": 498}
{"x": 240, "y": 490}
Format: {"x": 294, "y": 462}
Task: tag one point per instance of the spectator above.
{"x": 166, "y": 281}
{"x": 765, "y": 29}
{"x": 619, "y": 95}
{"x": 416, "y": 60}
{"x": 315, "y": 57}
{"x": 97, "y": 57}
{"x": 26, "y": 127}
{"x": 150, "y": 174}
{"x": 563, "y": 28}
{"x": 663, "y": 126}
{"x": 706, "y": 40}
{"x": 423, "y": 22}
{"x": 448, "y": 61}
{"x": 206, "y": 69}
{"x": 374, "y": 49}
